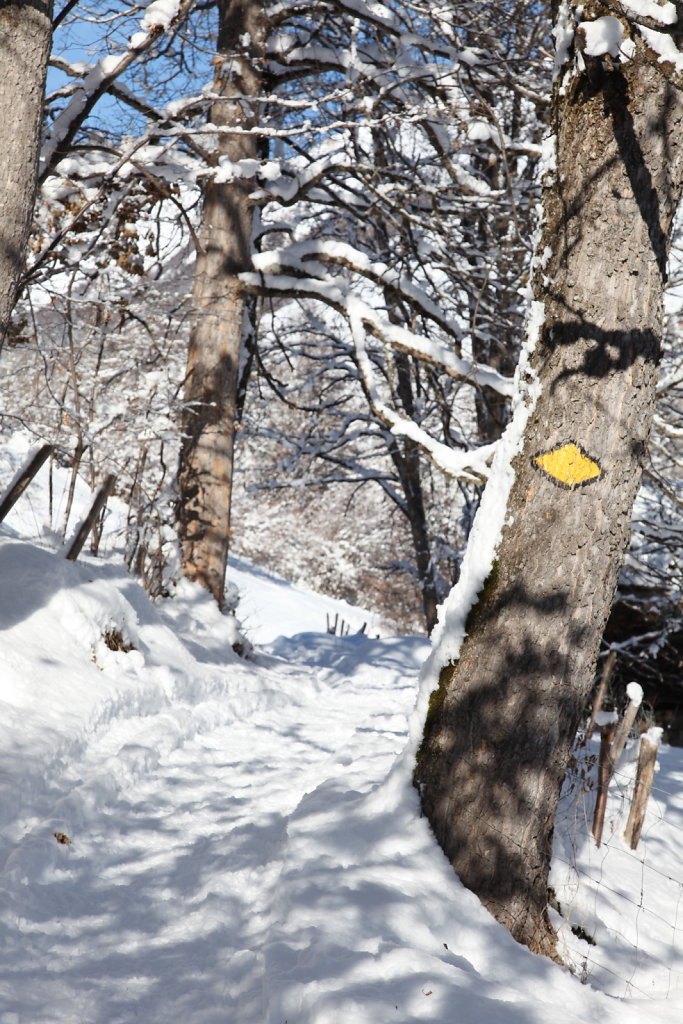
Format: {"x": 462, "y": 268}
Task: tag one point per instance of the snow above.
{"x": 228, "y": 170}
{"x": 563, "y": 34}
{"x": 634, "y": 692}
{"x": 665, "y": 13}
{"x": 449, "y": 632}
{"x": 160, "y": 14}
{"x": 267, "y": 611}
{"x": 480, "y": 131}
{"x": 272, "y": 267}
{"x": 469, "y": 56}
{"x": 664, "y": 45}
{"x": 137, "y": 40}
{"x": 459, "y": 464}
{"x": 603, "y": 36}
{"x": 549, "y": 169}
{"x": 621, "y": 898}
{"x": 653, "y": 736}
{"x": 91, "y": 83}
{"x": 189, "y": 836}
{"x": 603, "y": 718}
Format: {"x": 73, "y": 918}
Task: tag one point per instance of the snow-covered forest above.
{"x": 360, "y": 311}
{"x": 392, "y": 211}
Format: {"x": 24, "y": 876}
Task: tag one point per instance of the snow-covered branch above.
{"x": 471, "y": 465}
{"x": 342, "y": 299}
{"x": 159, "y": 16}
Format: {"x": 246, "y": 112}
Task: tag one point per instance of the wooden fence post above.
{"x": 23, "y": 479}
{"x": 647, "y": 759}
{"x": 604, "y": 773}
{"x": 89, "y": 521}
{"x": 635, "y": 695}
{"x": 607, "y": 670}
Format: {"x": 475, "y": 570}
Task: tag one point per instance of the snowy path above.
{"x": 246, "y": 848}
{"x": 160, "y": 907}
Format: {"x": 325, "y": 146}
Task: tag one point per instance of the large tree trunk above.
{"x": 25, "y": 33}
{"x": 219, "y": 307}
{"x": 500, "y": 728}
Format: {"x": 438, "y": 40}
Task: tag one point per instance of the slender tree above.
{"x": 219, "y": 318}
{"x": 502, "y": 721}
{"x": 25, "y": 33}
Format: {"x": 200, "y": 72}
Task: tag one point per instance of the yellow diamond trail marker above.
{"x": 569, "y": 466}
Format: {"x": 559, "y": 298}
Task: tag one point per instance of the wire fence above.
{"x": 591, "y": 900}
{"x": 644, "y": 912}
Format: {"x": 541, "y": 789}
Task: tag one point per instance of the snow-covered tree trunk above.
{"x": 219, "y": 312}
{"x": 502, "y": 721}
{"x": 25, "y": 33}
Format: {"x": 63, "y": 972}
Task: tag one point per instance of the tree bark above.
{"x": 25, "y": 34}
{"x": 406, "y": 460}
{"x": 501, "y": 726}
{"x": 219, "y": 306}
{"x": 407, "y": 465}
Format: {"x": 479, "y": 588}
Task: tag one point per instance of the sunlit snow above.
{"x": 602, "y": 36}
{"x": 189, "y": 836}
{"x": 160, "y": 13}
